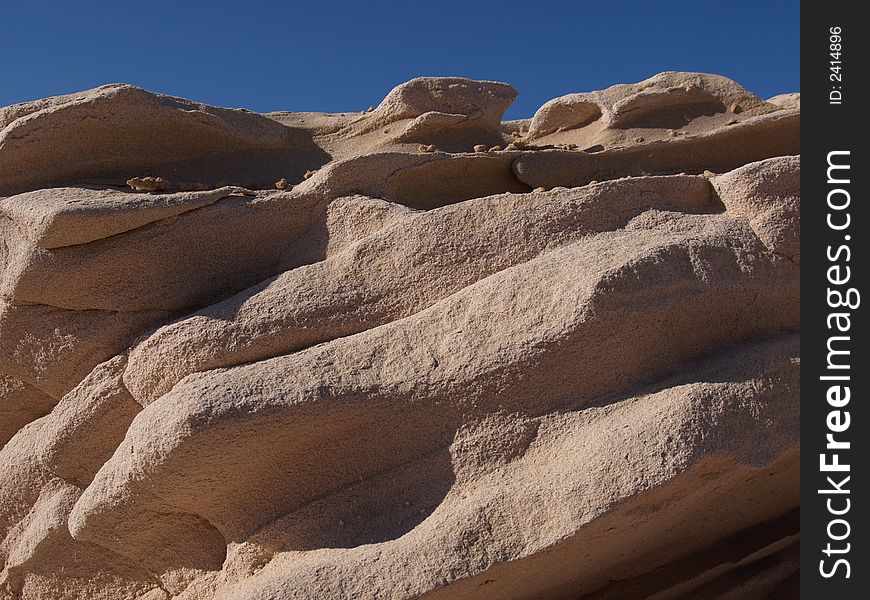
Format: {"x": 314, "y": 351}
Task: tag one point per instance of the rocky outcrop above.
{"x": 786, "y": 100}
{"x": 98, "y": 136}
{"x": 409, "y": 369}
{"x": 451, "y": 112}
{"x": 655, "y": 103}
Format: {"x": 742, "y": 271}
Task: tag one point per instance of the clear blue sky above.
{"x": 332, "y": 57}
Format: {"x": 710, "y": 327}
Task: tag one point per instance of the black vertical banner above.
{"x": 835, "y": 433}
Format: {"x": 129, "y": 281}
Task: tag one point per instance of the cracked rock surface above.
{"x": 343, "y": 356}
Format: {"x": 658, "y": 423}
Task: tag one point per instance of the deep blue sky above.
{"x": 325, "y": 56}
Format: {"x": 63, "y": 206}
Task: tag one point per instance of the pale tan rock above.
{"x": 174, "y": 262}
{"x": 452, "y": 113}
{"x": 792, "y": 100}
{"x": 19, "y": 405}
{"x": 567, "y": 112}
{"x": 75, "y": 296}
{"x": 149, "y": 184}
{"x": 70, "y": 216}
{"x": 400, "y": 374}
{"x": 409, "y": 372}
{"x": 667, "y": 105}
{"x": 693, "y": 93}
{"x": 767, "y": 194}
{"x": 595, "y": 524}
{"x": 52, "y": 349}
{"x": 43, "y": 470}
{"x": 423, "y": 181}
{"x": 720, "y": 149}
{"x": 486, "y": 100}
{"x": 278, "y": 317}
{"x": 108, "y": 134}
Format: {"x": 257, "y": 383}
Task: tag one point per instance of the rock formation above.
{"x": 375, "y": 355}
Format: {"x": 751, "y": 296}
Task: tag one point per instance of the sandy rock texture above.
{"x": 411, "y": 352}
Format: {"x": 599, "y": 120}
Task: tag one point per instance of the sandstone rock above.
{"x": 19, "y": 405}
{"x": 691, "y": 94}
{"x": 567, "y": 112}
{"x": 721, "y": 149}
{"x": 595, "y": 524}
{"x": 70, "y": 216}
{"x": 648, "y": 104}
{"x": 792, "y": 100}
{"x": 451, "y": 113}
{"x": 422, "y": 181}
{"x": 402, "y": 383}
{"x": 767, "y": 194}
{"x": 486, "y": 100}
{"x": 401, "y": 374}
{"x": 666, "y": 105}
{"x": 42, "y": 473}
{"x": 74, "y": 295}
{"x": 52, "y": 349}
{"x": 434, "y": 254}
{"x": 117, "y": 131}
{"x": 169, "y": 264}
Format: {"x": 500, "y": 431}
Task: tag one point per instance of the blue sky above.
{"x": 333, "y": 57}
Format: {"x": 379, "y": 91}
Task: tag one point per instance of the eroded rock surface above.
{"x": 415, "y": 352}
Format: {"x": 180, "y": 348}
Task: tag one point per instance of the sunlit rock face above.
{"x": 414, "y": 352}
